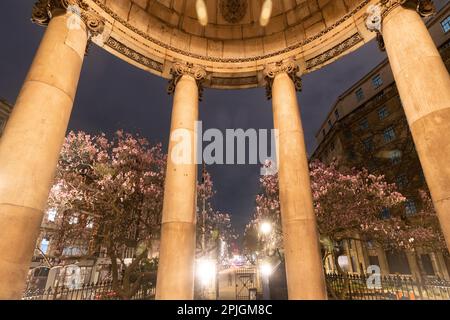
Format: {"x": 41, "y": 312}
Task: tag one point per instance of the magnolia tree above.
{"x": 213, "y": 226}
{"x": 348, "y": 205}
{"x": 108, "y": 194}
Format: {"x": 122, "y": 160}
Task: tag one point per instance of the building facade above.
{"x": 5, "y": 111}
{"x": 367, "y": 127}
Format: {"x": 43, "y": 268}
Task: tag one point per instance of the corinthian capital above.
{"x": 180, "y": 69}
{"x": 45, "y": 10}
{"x": 376, "y": 13}
{"x": 287, "y": 66}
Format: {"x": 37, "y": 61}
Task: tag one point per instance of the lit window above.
{"x": 51, "y": 215}
{"x": 410, "y": 207}
{"x": 364, "y": 124}
{"x": 389, "y": 134}
{"x": 73, "y": 220}
{"x": 44, "y": 245}
{"x": 368, "y": 144}
{"x": 385, "y": 213}
{"x": 446, "y": 24}
{"x": 336, "y": 113}
{"x": 383, "y": 112}
{"x": 359, "y": 94}
{"x": 395, "y": 156}
{"x": 376, "y": 81}
{"x": 402, "y": 181}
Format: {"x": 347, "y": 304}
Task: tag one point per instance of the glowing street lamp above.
{"x": 265, "y": 227}
{"x": 206, "y": 271}
{"x": 266, "y": 269}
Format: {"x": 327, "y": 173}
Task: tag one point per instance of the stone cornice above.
{"x": 376, "y": 13}
{"x": 288, "y": 66}
{"x": 44, "y": 10}
{"x": 180, "y": 69}
{"x": 212, "y": 58}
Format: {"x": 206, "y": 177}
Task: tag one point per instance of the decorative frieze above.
{"x": 288, "y": 66}
{"x": 44, "y": 10}
{"x": 376, "y": 13}
{"x": 334, "y": 52}
{"x": 180, "y": 69}
{"x": 134, "y": 55}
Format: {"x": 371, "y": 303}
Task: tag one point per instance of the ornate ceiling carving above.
{"x": 233, "y": 10}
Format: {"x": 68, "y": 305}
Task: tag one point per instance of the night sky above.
{"x": 114, "y": 95}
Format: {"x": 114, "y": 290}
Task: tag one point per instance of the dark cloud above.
{"x": 114, "y": 95}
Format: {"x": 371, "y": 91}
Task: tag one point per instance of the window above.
{"x": 385, "y": 213}
{"x": 368, "y": 144}
{"x": 395, "y": 156}
{"x": 374, "y": 261}
{"x": 376, "y": 81}
{"x": 383, "y": 113}
{"x": 364, "y": 124}
{"x": 389, "y": 134}
{"x": 336, "y": 113}
{"x": 44, "y": 245}
{"x": 402, "y": 181}
{"x": 379, "y": 97}
{"x": 446, "y": 24}
{"x": 359, "y": 94}
{"x": 329, "y": 124}
{"x": 73, "y": 220}
{"x": 427, "y": 264}
{"x": 410, "y": 207}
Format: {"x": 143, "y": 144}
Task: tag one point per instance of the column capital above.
{"x": 180, "y": 69}
{"x": 45, "y": 10}
{"x": 375, "y": 13}
{"x": 290, "y": 67}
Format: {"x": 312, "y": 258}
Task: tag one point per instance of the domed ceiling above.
{"x": 233, "y": 46}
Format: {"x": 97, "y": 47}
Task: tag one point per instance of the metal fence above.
{"x": 98, "y": 291}
{"x": 390, "y": 287}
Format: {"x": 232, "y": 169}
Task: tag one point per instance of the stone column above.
{"x": 423, "y": 83}
{"x": 30, "y": 145}
{"x": 304, "y": 270}
{"x": 177, "y": 251}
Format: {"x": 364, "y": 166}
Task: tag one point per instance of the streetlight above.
{"x": 266, "y": 270}
{"x": 206, "y": 271}
{"x": 265, "y": 228}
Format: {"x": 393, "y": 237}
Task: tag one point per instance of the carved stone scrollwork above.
{"x": 233, "y": 11}
{"x": 290, "y": 67}
{"x": 180, "y": 69}
{"x": 376, "y": 13}
{"x": 44, "y": 10}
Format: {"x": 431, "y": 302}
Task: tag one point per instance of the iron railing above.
{"x": 98, "y": 291}
{"x": 389, "y": 287}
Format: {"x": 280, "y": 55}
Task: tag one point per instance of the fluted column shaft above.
{"x": 423, "y": 83}
{"x": 177, "y": 252}
{"x": 304, "y": 270}
{"x": 30, "y": 146}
